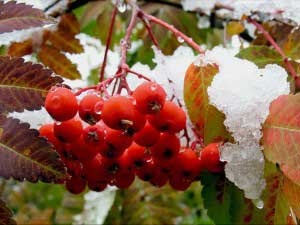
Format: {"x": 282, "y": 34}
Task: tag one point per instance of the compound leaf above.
{"x": 23, "y": 85}
{"x": 25, "y": 155}
{"x": 14, "y": 16}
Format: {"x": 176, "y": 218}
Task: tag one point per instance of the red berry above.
{"x": 115, "y": 143}
{"x": 166, "y": 147}
{"x": 69, "y": 130}
{"x": 210, "y": 158}
{"x": 150, "y": 97}
{"x": 137, "y": 155}
{"x": 170, "y": 119}
{"x": 119, "y": 113}
{"x": 187, "y": 164}
{"x": 90, "y": 107}
{"x": 97, "y": 185}
{"x": 94, "y": 169}
{"x": 74, "y": 167}
{"x": 147, "y": 172}
{"x": 75, "y": 185}
{"x": 159, "y": 178}
{"x": 82, "y": 150}
{"x": 94, "y": 135}
{"x": 124, "y": 179}
{"x": 47, "y": 131}
{"x": 61, "y": 104}
{"x": 178, "y": 182}
{"x": 147, "y": 136}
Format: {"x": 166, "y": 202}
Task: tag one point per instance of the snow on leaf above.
{"x": 23, "y": 85}
{"x": 25, "y": 155}
{"x": 6, "y": 215}
{"x": 14, "y": 16}
{"x": 281, "y": 133}
{"x": 208, "y": 122}
{"x": 243, "y": 92}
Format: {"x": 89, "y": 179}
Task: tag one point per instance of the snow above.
{"x": 246, "y": 7}
{"x": 243, "y": 92}
{"x": 96, "y": 207}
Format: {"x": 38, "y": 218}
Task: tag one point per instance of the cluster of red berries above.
{"x": 116, "y": 139}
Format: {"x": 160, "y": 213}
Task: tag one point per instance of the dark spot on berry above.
{"x": 147, "y": 177}
{"x": 138, "y": 163}
{"x": 168, "y": 153}
{"x": 90, "y": 119}
{"x": 93, "y": 136}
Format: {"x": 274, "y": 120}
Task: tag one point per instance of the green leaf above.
{"x": 281, "y": 132}
{"x": 207, "y": 120}
{"x": 226, "y": 203}
{"x": 216, "y": 197}
{"x": 260, "y": 55}
{"x": 23, "y": 85}
{"x": 25, "y": 155}
{"x": 5, "y": 215}
{"x": 18, "y": 16}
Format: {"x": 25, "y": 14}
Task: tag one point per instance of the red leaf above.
{"x": 14, "y": 16}
{"x": 6, "y": 215}
{"x": 23, "y": 85}
{"x": 25, "y": 155}
{"x": 281, "y": 132}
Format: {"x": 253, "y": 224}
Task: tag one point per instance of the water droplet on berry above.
{"x": 58, "y": 122}
{"x": 180, "y": 39}
{"x": 98, "y": 108}
{"x": 153, "y": 87}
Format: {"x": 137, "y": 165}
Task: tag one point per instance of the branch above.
{"x": 275, "y": 45}
{"x": 171, "y": 28}
{"x": 108, "y": 41}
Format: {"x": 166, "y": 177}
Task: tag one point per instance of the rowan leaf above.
{"x": 260, "y": 55}
{"x": 25, "y": 155}
{"x": 64, "y": 37}
{"x": 19, "y": 49}
{"x": 58, "y": 62}
{"x": 23, "y": 85}
{"x": 281, "y": 132}
{"x": 65, "y": 41}
{"x": 19, "y": 16}
{"x": 69, "y": 23}
{"x": 207, "y": 120}
{"x": 292, "y": 194}
{"x": 6, "y": 215}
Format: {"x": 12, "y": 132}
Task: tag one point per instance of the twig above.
{"x": 108, "y": 41}
{"x": 150, "y": 32}
{"x": 171, "y": 28}
{"x": 275, "y": 45}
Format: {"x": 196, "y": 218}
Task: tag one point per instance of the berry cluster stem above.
{"x": 275, "y": 45}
